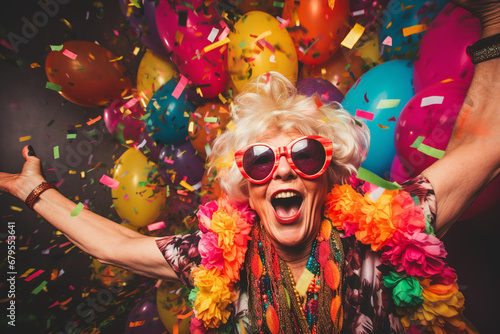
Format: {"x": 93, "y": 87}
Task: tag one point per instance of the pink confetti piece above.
{"x": 387, "y": 41}
{"x": 7, "y": 45}
{"x": 365, "y": 114}
{"x": 116, "y": 32}
{"x": 55, "y": 304}
{"x": 284, "y": 24}
{"x": 224, "y": 33}
{"x": 156, "y": 226}
{"x": 35, "y": 274}
{"x": 168, "y": 161}
{"x": 180, "y": 87}
{"x": 130, "y": 103}
{"x": 64, "y": 244}
{"x": 110, "y": 182}
{"x": 69, "y": 54}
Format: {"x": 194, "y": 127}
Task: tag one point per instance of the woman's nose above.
{"x": 284, "y": 171}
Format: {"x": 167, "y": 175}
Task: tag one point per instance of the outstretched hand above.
{"x": 20, "y": 185}
{"x": 487, "y": 11}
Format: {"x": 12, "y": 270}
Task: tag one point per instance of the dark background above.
{"x": 27, "y": 108}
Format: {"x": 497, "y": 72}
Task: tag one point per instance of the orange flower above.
{"x": 342, "y": 204}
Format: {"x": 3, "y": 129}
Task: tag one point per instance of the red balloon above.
{"x": 88, "y": 74}
{"x": 317, "y": 27}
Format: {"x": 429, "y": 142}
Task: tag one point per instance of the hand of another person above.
{"x": 488, "y": 12}
{"x": 21, "y": 185}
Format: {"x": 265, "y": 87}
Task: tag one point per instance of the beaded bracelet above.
{"x": 33, "y": 196}
{"x": 484, "y": 49}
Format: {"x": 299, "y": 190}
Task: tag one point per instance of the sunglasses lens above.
{"x": 258, "y": 162}
{"x": 309, "y": 156}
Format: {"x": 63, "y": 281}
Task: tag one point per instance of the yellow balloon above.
{"x": 172, "y": 307}
{"x": 258, "y": 45}
{"x": 153, "y": 72}
{"x": 141, "y": 194}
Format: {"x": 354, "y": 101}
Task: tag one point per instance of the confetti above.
{"x": 108, "y": 181}
{"x": 180, "y": 87}
{"x": 211, "y": 119}
{"x": 417, "y": 142}
{"x": 366, "y": 175}
{"x": 77, "y": 209}
{"x": 353, "y": 36}
{"x": 414, "y": 29}
{"x": 358, "y": 12}
{"x": 272, "y": 59}
{"x": 168, "y": 161}
{"x": 278, "y": 4}
{"x": 53, "y": 86}
{"x": 56, "y": 152}
{"x": 56, "y": 47}
{"x": 430, "y": 100}
{"x": 388, "y": 103}
{"x": 69, "y": 54}
{"x": 25, "y": 138}
{"x": 387, "y": 41}
{"x": 39, "y": 288}
{"x": 213, "y": 34}
{"x": 92, "y": 121}
{"x": 35, "y": 274}
{"x": 430, "y": 151}
{"x": 216, "y": 45}
{"x": 186, "y": 185}
{"x": 156, "y": 226}
{"x": 383, "y": 126}
{"x": 365, "y": 114}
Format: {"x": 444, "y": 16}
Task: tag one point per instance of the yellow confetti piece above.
{"x": 116, "y": 59}
{"x": 383, "y": 126}
{"x": 215, "y": 45}
{"x": 414, "y": 29}
{"x": 35, "y": 65}
{"x": 222, "y": 99}
{"x": 231, "y": 126}
{"x": 72, "y": 172}
{"x": 25, "y": 138}
{"x": 331, "y": 3}
{"x": 447, "y": 80}
{"x": 15, "y": 208}
{"x": 353, "y": 36}
{"x": 198, "y": 91}
{"x": 136, "y": 51}
{"x": 389, "y": 25}
{"x": 29, "y": 271}
{"x": 186, "y": 185}
{"x": 388, "y": 103}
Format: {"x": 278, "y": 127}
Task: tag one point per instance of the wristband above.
{"x": 33, "y": 196}
{"x": 484, "y": 49}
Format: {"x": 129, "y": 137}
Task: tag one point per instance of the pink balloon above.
{"x": 442, "y": 54}
{"x": 434, "y": 122}
{"x": 185, "y": 29}
{"x": 122, "y": 120}
{"x": 430, "y": 114}
{"x": 398, "y": 172}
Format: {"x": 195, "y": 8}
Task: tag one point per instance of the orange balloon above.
{"x": 88, "y": 74}
{"x": 337, "y": 69}
{"x": 317, "y": 27}
{"x": 206, "y": 124}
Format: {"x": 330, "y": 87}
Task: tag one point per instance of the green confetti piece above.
{"x": 366, "y": 175}
{"x": 278, "y": 4}
{"x": 71, "y": 136}
{"x": 242, "y": 44}
{"x": 211, "y": 119}
{"x": 53, "y": 86}
{"x": 143, "y": 183}
{"x": 39, "y": 288}
{"x": 77, "y": 209}
{"x": 417, "y": 142}
{"x": 56, "y": 152}
{"x": 56, "y": 47}
{"x": 430, "y": 151}
{"x": 388, "y": 103}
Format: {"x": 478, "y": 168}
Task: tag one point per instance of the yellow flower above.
{"x": 214, "y": 295}
{"x": 224, "y": 225}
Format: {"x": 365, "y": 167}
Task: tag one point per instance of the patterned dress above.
{"x": 368, "y": 307}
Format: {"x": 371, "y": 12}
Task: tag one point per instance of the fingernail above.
{"x": 31, "y": 151}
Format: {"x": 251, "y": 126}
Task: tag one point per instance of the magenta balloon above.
{"x": 488, "y": 197}
{"x": 398, "y": 172}
{"x": 185, "y": 30}
{"x": 125, "y": 128}
{"x": 442, "y": 54}
{"x": 426, "y": 116}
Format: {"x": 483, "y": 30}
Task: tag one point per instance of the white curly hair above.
{"x": 271, "y": 101}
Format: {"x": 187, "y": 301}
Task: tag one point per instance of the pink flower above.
{"x": 419, "y": 254}
{"x": 446, "y": 277}
{"x": 368, "y": 187}
{"x": 196, "y": 326}
{"x": 247, "y": 213}
{"x": 353, "y": 181}
{"x": 211, "y": 254}
{"x": 205, "y": 214}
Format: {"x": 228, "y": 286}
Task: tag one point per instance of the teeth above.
{"x": 285, "y": 194}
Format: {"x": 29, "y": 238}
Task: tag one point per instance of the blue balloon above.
{"x": 168, "y": 117}
{"x": 395, "y": 19}
{"x": 383, "y": 91}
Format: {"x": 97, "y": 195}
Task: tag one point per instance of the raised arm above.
{"x": 472, "y": 158}
{"x": 99, "y": 237}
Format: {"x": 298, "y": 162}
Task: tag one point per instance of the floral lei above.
{"x": 424, "y": 288}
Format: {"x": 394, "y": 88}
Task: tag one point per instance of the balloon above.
{"x": 144, "y": 317}
{"x": 442, "y": 54}
{"x": 87, "y": 74}
{"x": 206, "y": 124}
{"x": 486, "y": 199}
{"x": 367, "y": 12}
{"x": 399, "y": 20}
{"x": 154, "y": 72}
{"x": 168, "y": 116}
{"x": 258, "y": 45}
{"x": 122, "y": 120}
{"x": 317, "y": 27}
{"x": 342, "y": 70}
{"x": 171, "y": 302}
{"x": 433, "y": 121}
{"x": 325, "y": 89}
{"x": 398, "y": 172}
{"x": 383, "y": 91}
{"x": 140, "y": 195}
{"x": 185, "y": 30}
{"x": 143, "y": 23}
{"x": 180, "y": 163}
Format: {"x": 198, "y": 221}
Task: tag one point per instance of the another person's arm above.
{"x": 472, "y": 158}
{"x": 99, "y": 237}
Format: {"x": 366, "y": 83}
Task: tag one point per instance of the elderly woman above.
{"x": 297, "y": 244}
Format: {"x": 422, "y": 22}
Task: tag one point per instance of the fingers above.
{"x": 28, "y": 151}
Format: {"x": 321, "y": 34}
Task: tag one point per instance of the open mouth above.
{"x": 287, "y": 205}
